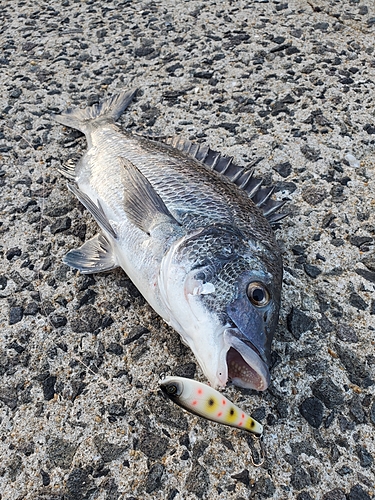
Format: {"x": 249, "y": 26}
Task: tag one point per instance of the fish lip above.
{"x": 243, "y": 354}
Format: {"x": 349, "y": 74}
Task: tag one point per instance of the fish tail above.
{"x": 107, "y": 110}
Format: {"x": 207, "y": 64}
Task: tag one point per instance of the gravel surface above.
{"x": 290, "y": 83}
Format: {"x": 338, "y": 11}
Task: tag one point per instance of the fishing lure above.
{"x": 206, "y": 402}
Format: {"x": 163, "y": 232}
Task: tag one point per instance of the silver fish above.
{"x": 198, "y": 245}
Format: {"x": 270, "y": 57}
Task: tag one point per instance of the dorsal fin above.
{"x": 241, "y": 176}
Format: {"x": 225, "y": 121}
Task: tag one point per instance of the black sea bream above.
{"x": 191, "y": 230}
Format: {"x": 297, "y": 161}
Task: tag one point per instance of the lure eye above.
{"x": 258, "y": 294}
{"x": 171, "y": 389}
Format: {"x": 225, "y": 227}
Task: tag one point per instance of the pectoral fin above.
{"x": 143, "y": 206}
{"x": 94, "y": 256}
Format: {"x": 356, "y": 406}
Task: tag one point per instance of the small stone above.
{"x": 199, "y": 448}
{"x": 265, "y": 487}
{"x": 115, "y": 348}
{"x": 31, "y": 309}
{"x": 197, "y": 481}
{"x": 153, "y": 481}
{"x": 356, "y": 301}
{"x": 369, "y": 262}
{"x": 357, "y": 370}
{"x": 58, "y": 321}
{"x": 300, "y": 478}
{"x": 172, "y": 494}
{"x": 304, "y": 495}
{"x": 344, "y": 470}
{"x": 314, "y": 195}
{"x": 298, "y": 322}
{"x": 13, "y": 252}
{"x": 372, "y": 413}
{"x": 61, "y": 452}
{"x": 357, "y": 411}
{"x": 360, "y": 241}
{"x": 325, "y": 390}
{"x": 321, "y": 26}
{"x": 365, "y": 458}
{"x": 336, "y": 494}
{"x": 243, "y": 477}
{"x": 283, "y": 169}
{"x": 187, "y": 370}
{"x": 15, "y": 314}
{"x": 108, "y": 451}
{"x": 346, "y": 333}
{"x": 312, "y": 271}
{"x": 310, "y": 153}
{"x": 62, "y": 224}
{"x": 46, "y": 480}
{"x": 152, "y": 445}
{"x": 368, "y": 275}
{"x": 312, "y": 410}
{"x": 49, "y": 387}
{"x": 88, "y": 320}
{"x": 78, "y": 484}
{"x": 135, "y": 334}
{"x": 3, "y": 282}
{"x": 358, "y": 493}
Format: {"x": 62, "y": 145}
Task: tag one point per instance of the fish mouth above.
{"x": 246, "y": 368}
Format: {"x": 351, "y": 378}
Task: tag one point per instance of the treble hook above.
{"x": 261, "y": 453}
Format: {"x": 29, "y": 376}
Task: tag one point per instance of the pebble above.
{"x": 312, "y": 410}
{"x": 346, "y": 333}
{"x": 336, "y": 494}
{"x": 358, "y": 493}
{"x": 312, "y": 271}
{"x": 61, "y": 452}
{"x": 78, "y": 484}
{"x": 314, "y": 195}
{"x": 13, "y": 252}
{"x": 154, "y": 478}
{"x": 62, "y": 224}
{"x": 197, "y": 481}
{"x": 49, "y": 387}
{"x": 304, "y": 495}
{"x": 300, "y": 478}
{"x": 298, "y": 322}
{"x": 365, "y": 458}
{"x": 152, "y": 445}
{"x": 328, "y": 392}
{"x": 108, "y": 451}
{"x": 15, "y": 314}
{"x": 352, "y": 160}
{"x": 242, "y": 476}
{"x": 88, "y": 320}
{"x": 357, "y": 370}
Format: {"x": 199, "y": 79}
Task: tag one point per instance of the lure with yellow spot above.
{"x": 206, "y": 402}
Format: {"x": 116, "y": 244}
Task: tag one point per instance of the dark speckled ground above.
{"x": 80, "y": 356}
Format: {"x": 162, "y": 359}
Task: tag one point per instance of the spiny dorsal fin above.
{"x": 241, "y": 176}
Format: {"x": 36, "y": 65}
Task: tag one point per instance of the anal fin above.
{"x": 94, "y": 256}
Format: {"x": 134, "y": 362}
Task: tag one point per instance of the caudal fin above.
{"x": 106, "y": 111}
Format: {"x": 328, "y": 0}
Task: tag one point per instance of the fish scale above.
{"x": 190, "y": 238}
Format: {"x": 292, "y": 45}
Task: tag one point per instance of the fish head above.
{"x": 223, "y": 294}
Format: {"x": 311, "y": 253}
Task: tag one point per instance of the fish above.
{"x": 208, "y": 403}
{"x": 193, "y": 232}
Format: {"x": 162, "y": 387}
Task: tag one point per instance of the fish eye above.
{"x": 258, "y": 294}
{"x": 171, "y": 389}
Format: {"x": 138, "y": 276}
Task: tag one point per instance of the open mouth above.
{"x": 245, "y": 367}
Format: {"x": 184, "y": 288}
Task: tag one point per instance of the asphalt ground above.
{"x": 288, "y": 83}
